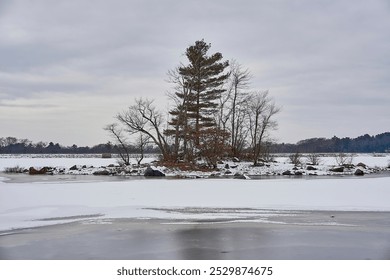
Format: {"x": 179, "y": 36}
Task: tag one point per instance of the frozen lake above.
{"x": 43, "y": 203}
{"x": 99, "y": 216}
{"x": 30, "y": 201}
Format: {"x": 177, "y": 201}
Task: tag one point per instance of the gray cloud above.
{"x": 321, "y": 60}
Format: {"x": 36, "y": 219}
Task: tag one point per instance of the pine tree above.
{"x": 198, "y": 89}
{"x": 202, "y": 83}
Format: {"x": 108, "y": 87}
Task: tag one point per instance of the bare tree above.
{"x": 344, "y": 159}
{"x": 140, "y": 144}
{"x": 239, "y": 82}
{"x": 121, "y": 142}
{"x": 144, "y": 118}
{"x": 295, "y": 158}
{"x": 262, "y": 109}
{"x": 313, "y": 158}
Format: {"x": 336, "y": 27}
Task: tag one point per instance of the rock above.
{"x": 361, "y": 164}
{"x": 298, "y": 173}
{"x": 309, "y": 167}
{"x": 101, "y": 172}
{"x": 239, "y": 176}
{"x": 358, "y": 172}
{"x": 337, "y": 169}
{"x": 227, "y": 172}
{"x": 287, "y": 172}
{"x": 150, "y": 172}
{"x": 236, "y": 159}
{"x": 111, "y": 165}
{"x": 227, "y": 166}
{"x": 74, "y": 167}
{"x": 33, "y": 171}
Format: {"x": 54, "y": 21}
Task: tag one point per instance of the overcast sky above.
{"x": 68, "y": 67}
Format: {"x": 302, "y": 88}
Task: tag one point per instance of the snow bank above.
{"x": 89, "y": 164}
{"x": 61, "y": 160}
{"x": 34, "y": 204}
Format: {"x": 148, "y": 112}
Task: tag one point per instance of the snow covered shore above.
{"x": 93, "y": 164}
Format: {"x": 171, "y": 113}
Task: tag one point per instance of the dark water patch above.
{"x": 70, "y": 217}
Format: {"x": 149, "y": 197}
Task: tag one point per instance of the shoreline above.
{"x": 306, "y": 235}
{"x": 66, "y": 178}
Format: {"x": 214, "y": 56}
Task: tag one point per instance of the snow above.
{"x": 98, "y": 199}
{"x": 26, "y": 161}
{"x": 35, "y": 204}
{"x": 281, "y": 164}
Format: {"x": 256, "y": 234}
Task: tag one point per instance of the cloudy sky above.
{"x": 67, "y": 67}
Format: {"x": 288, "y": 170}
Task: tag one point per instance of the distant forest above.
{"x": 363, "y": 144}
{"x": 12, "y": 145}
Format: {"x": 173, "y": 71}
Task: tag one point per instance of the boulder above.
{"x": 239, "y": 176}
{"x": 150, "y": 172}
{"x": 101, "y": 172}
{"x": 74, "y": 167}
{"x": 287, "y": 172}
{"x": 337, "y": 169}
{"x": 33, "y": 171}
{"x": 227, "y": 166}
{"x": 358, "y": 172}
{"x": 361, "y": 164}
{"x": 310, "y": 167}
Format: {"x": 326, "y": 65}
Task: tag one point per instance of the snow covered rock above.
{"x": 102, "y": 172}
{"x": 239, "y": 176}
{"x": 74, "y": 167}
{"x": 33, "y": 171}
{"x": 337, "y": 169}
{"x": 150, "y": 172}
{"x": 361, "y": 164}
{"x": 358, "y": 172}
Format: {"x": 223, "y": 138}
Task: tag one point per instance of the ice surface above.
{"x": 35, "y": 204}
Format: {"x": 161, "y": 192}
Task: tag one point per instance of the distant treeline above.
{"x": 363, "y": 144}
{"x": 12, "y": 145}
